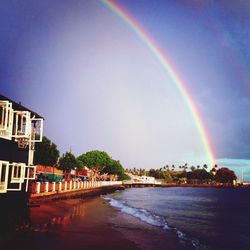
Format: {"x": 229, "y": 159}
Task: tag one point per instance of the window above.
{"x": 17, "y": 173}
{"x": 36, "y": 129}
{"x": 6, "y": 119}
{"x": 4, "y": 172}
{"x": 22, "y": 124}
{"x": 30, "y": 173}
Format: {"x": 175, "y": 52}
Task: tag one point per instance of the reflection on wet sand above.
{"x": 53, "y": 222}
{"x": 12, "y": 217}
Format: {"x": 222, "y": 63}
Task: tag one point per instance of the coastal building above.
{"x": 143, "y": 179}
{"x": 20, "y": 129}
{"x": 48, "y": 173}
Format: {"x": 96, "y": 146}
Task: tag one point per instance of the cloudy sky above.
{"x": 98, "y": 86}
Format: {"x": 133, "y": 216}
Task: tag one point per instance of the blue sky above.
{"x": 99, "y": 87}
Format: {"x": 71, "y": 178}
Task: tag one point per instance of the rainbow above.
{"x": 169, "y": 69}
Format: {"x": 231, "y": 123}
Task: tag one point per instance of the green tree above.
{"x": 100, "y": 161}
{"x": 115, "y": 168}
{"x": 46, "y": 153}
{"x": 167, "y": 176}
{"x": 95, "y": 159}
{"x": 68, "y": 162}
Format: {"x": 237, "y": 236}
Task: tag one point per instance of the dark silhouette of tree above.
{"x": 68, "y": 162}
{"x": 224, "y": 175}
{"x": 199, "y": 176}
{"x": 192, "y": 168}
{"x": 205, "y": 166}
{"x": 185, "y": 167}
{"x": 46, "y": 153}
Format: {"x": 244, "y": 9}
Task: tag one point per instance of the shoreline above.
{"x": 89, "y": 223}
{"x": 68, "y": 224}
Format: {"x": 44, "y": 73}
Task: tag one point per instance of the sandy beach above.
{"x": 85, "y": 224}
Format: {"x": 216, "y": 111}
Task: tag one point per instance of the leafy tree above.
{"x": 124, "y": 176}
{"x": 199, "y": 176}
{"x": 68, "y": 162}
{"x": 80, "y": 165}
{"x": 160, "y": 174}
{"x": 168, "y": 177}
{"x": 100, "y": 161}
{"x": 113, "y": 167}
{"x": 46, "y": 153}
{"x": 224, "y": 175}
{"x": 95, "y": 159}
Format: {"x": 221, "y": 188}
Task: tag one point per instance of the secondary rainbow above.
{"x": 169, "y": 69}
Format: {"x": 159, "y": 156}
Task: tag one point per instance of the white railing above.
{"x": 68, "y": 186}
{"x": 153, "y": 182}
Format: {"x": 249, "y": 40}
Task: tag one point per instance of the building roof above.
{"x": 19, "y": 106}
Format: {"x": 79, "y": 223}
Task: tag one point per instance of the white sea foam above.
{"x": 153, "y": 219}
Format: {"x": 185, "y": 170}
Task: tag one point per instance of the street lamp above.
{"x": 75, "y": 172}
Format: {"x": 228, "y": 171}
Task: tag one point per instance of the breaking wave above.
{"x": 155, "y": 220}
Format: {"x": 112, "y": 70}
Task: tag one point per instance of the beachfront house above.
{"x": 143, "y": 179}
{"x": 20, "y": 129}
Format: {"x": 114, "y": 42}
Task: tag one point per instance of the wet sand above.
{"x": 85, "y": 224}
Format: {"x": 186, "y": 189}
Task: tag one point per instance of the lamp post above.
{"x": 75, "y": 172}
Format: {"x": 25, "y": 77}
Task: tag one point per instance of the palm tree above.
{"x": 134, "y": 171}
{"x": 140, "y": 171}
{"x": 205, "y": 166}
{"x": 185, "y": 167}
{"x": 192, "y": 168}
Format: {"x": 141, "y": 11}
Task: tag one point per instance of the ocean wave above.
{"x": 155, "y": 220}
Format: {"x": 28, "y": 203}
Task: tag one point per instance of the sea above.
{"x": 201, "y": 218}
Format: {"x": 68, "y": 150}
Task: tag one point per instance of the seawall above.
{"x": 77, "y": 191}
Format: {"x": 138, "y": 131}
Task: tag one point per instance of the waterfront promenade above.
{"x": 46, "y": 191}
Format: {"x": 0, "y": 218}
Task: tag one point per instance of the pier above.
{"x": 133, "y": 184}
